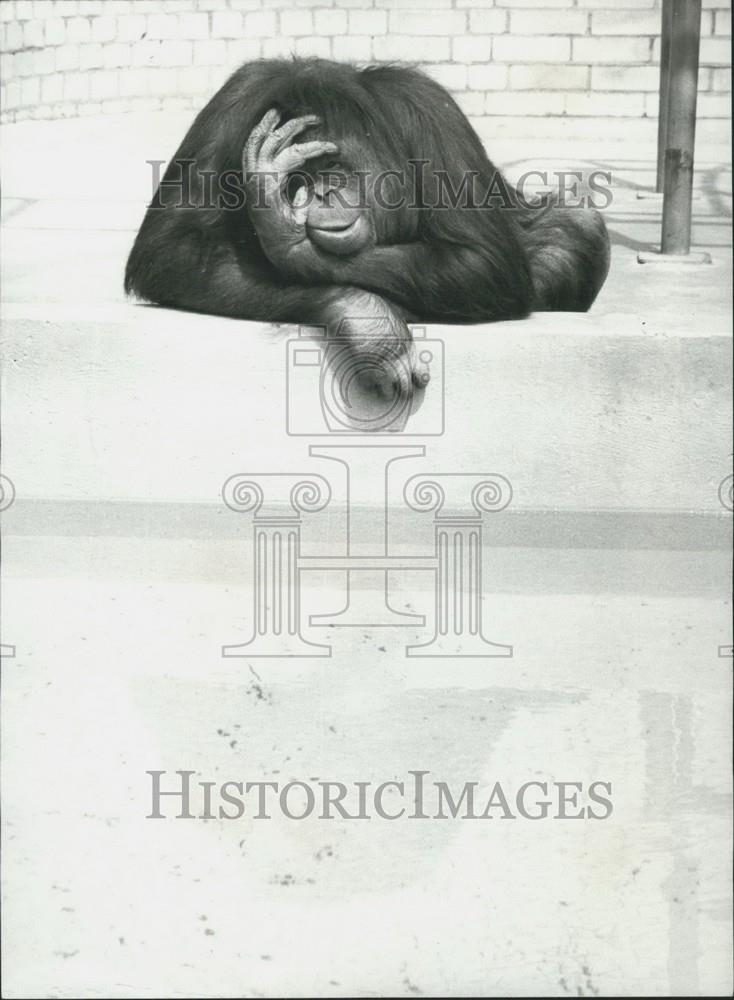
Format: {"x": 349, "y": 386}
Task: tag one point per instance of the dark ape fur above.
{"x": 459, "y": 264}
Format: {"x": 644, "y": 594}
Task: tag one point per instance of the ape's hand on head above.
{"x": 269, "y": 159}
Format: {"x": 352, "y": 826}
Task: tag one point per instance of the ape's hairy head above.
{"x": 399, "y": 135}
{"x": 392, "y": 161}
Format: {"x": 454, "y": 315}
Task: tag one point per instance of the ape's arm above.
{"x": 181, "y": 267}
{"x": 431, "y": 280}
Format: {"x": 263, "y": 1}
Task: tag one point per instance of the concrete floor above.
{"x": 123, "y": 576}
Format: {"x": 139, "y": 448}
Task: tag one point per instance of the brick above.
{"x": 715, "y": 52}
{"x": 713, "y": 106}
{"x": 7, "y": 11}
{"x": 93, "y": 7}
{"x": 405, "y": 47}
{"x": 449, "y": 75}
{"x": 163, "y": 81}
{"x": 278, "y": 48}
{"x": 421, "y": 4}
{"x": 707, "y": 22}
{"x": 67, "y": 57}
{"x": 543, "y": 4}
{"x": 146, "y": 53}
{"x": 611, "y": 50}
{"x": 537, "y": 48}
{"x": 45, "y": 60}
{"x": 24, "y": 63}
{"x": 722, "y": 22}
{"x": 367, "y": 22}
{"x": 90, "y": 56}
{"x": 630, "y": 78}
{"x": 704, "y": 78}
{"x": 193, "y": 26}
{"x": 296, "y": 22}
{"x": 721, "y": 80}
{"x": 548, "y": 22}
{"x": 78, "y": 29}
{"x": 30, "y": 91}
{"x": 241, "y": 4}
{"x": 260, "y": 24}
{"x": 471, "y": 102}
{"x": 352, "y": 48}
{"x": 487, "y": 77}
{"x": 472, "y": 48}
{"x": 176, "y": 53}
{"x": 7, "y": 67}
{"x": 55, "y": 31}
{"x": 33, "y": 34}
{"x": 313, "y": 46}
{"x": 540, "y": 77}
{"x": 242, "y": 50}
{"x": 612, "y": 5}
{"x": 134, "y": 82}
{"x": 12, "y": 94}
{"x": 525, "y": 103}
{"x": 52, "y": 88}
{"x": 131, "y": 28}
{"x": 227, "y": 24}
{"x": 487, "y": 22}
{"x": 13, "y": 37}
{"x": 103, "y": 83}
{"x": 76, "y": 86}
{"x": 145, "y": 103}
{"x": 405, "y": 22}
{"x": 194, "y": 79}
{"x": 613, "y": 105}
{"x": 66, "y": 8}
{"x": 625, "y": 22}
{"x": 212, "y": 52}
{"x": 23, "y": 10}
{"x": 162, "y": 26}
{"x": 104, "y": 29}
{"x": 331, "y": 22}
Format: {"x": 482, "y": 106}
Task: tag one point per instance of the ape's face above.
{"x": 339, "y": 195}
{"x": 339, "y": 221}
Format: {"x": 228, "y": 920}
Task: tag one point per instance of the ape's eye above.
{"x": 295, "y": 183}
{"x": 333, "y": 175}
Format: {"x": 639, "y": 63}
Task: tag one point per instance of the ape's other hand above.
{"x": 269, "y": 157}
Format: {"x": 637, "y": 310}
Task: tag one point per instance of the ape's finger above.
{"x": 257, "y": 137}
{"x": 295, "y": 156}
{"x": 282, "y": 136}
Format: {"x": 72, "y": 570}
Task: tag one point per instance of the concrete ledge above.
{"x": 580, "y": 413}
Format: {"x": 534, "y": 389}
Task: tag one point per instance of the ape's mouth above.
{"x": 337, "y": 237}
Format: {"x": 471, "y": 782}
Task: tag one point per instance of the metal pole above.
{"x": 681, "y": 129}
{"x": 666, "y": 31}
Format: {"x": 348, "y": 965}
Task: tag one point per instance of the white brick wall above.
{"x": 505, "y": 61}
